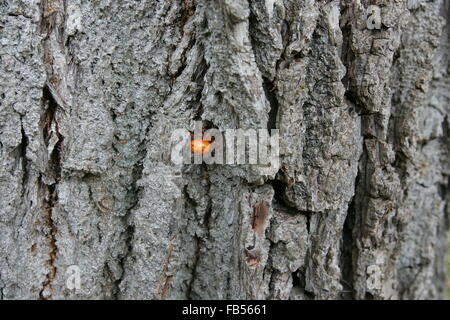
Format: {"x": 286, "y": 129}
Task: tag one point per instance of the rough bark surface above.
{"x": 92, "y": 90}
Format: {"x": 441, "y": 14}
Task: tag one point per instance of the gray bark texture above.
{"x": 91, "y": 92}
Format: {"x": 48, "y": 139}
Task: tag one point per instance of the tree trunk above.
{"x": 92, "y": 91}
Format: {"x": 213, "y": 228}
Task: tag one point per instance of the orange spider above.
{"x": 199, "y": 146}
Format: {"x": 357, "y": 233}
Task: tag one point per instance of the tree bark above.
{"x": 91, "y": 92}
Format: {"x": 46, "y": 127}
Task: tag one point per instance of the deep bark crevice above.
{"x": 49, "y": 204}
{"x": 50, "y": 131}
{"x": 194, "y": 270}
{"x": 129, "y": 232}
{"x": 270, "y": 91}
{"x": 135, "y": 194}
{"x": 53, "y": 139}
{"x": 205, "y": 225}
{"x": 23, "y": 156}
{"x": 187, "y": 11}
{"x": 199, "y": 79}
{"x": 346, "y": 251}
